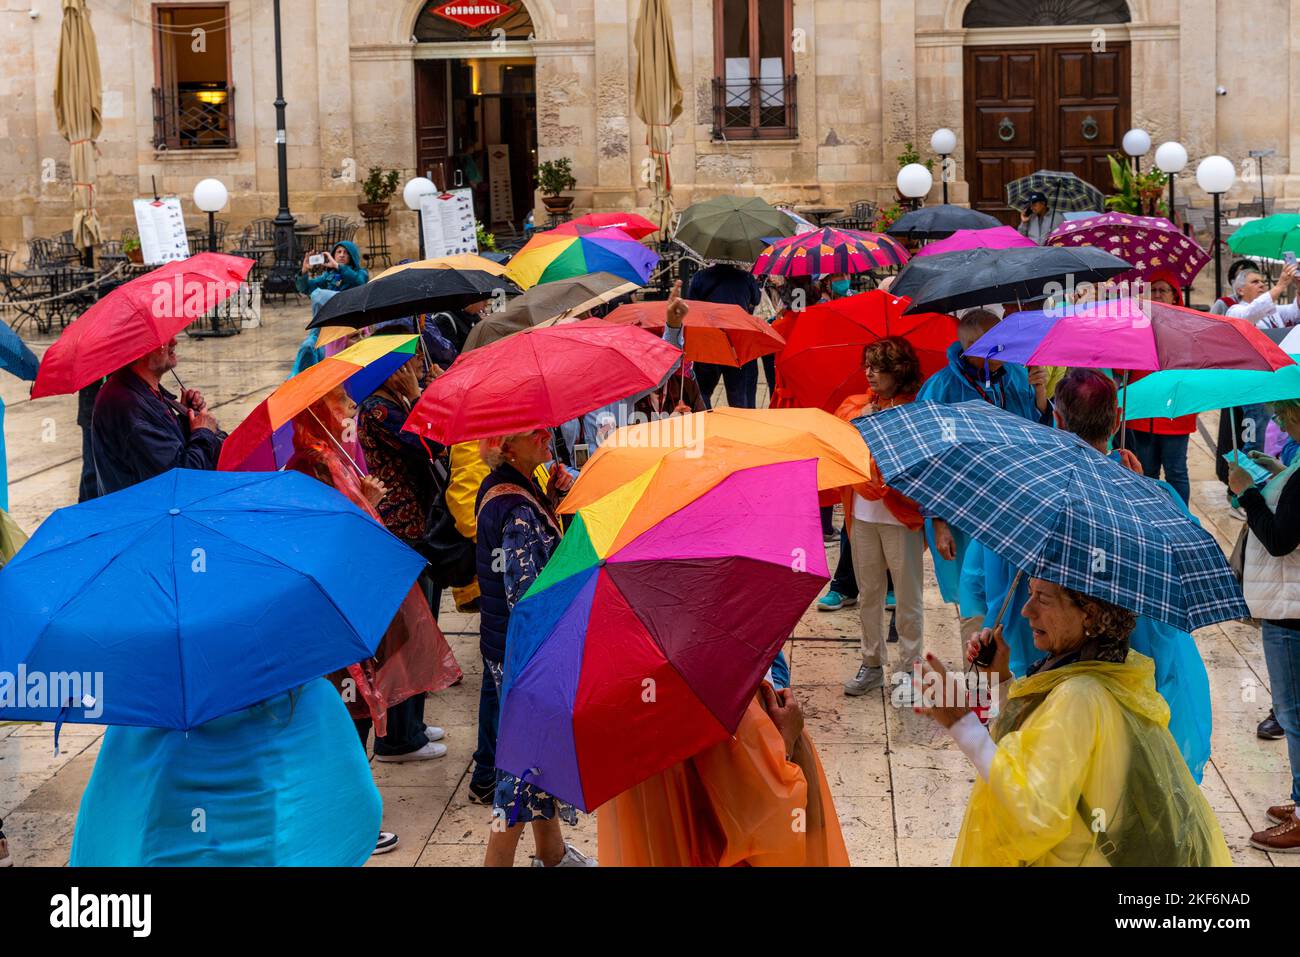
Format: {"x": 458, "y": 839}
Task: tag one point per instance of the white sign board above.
{"x": 449, "y": 227}
{"x": 161, "y": 225}
{"x": 503, "y": 204}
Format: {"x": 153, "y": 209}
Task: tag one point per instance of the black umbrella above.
{"x": 940, "y": 222}
{"x": 409, "y": 293}
{"x": 978, "y": 277}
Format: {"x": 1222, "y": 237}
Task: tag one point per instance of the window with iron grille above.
{"x": 193, "y": 99}
{"x": 754, "y": 85}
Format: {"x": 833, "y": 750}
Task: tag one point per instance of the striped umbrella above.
{"x": 830, "y": 251}
{"x": 1065, "y": 192}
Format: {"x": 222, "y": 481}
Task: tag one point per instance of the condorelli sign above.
{"x": 473, "y": 14}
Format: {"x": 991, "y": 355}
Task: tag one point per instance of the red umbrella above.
{"x": 135, "y": 318}
{"x": 636, "y": 226}
{"x": 539, "y": 378}
{"x": 721, "y": 334}
{"x": 821, "y": 364}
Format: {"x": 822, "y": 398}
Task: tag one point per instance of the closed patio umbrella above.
{"x": 658, "y": 97}
{"x": 78, "y": 102}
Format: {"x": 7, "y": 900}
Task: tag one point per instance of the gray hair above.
{"x": 1239, "y": 280}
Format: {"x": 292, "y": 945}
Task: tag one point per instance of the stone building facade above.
{"x": 835, "y": 90}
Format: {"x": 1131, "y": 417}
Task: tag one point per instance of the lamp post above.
{"x": 944, "y": 142}
{"x": 210, "y": 196}
{"x": 915, "y": 182}
{"x": 1171, "y": 157}
{"x": 1136, "y": 144}
{"x": 283, "y": 271}
{"x": 1215, "y": 175}
{"x": 411, "y": 194}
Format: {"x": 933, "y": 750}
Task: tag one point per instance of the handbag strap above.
{"x": 509, "y": 488}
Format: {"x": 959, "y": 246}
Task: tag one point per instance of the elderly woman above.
{"x": 1079, "y": 767}
{"x": 1271, "y": 583}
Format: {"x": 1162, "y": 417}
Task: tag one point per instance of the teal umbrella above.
{"x": 1269, "y": 237}
{"x": 1174, "y": 392}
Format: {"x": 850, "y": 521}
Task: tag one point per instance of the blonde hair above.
{"x": 494, "y": 449}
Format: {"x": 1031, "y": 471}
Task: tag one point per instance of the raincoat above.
{"x": 345, "y": 277}
{"x": 1085, "y": 773}
{"x": 738, "y": 803}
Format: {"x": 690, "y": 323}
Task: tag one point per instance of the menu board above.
{"x": 503, "y": 204}
{"x": 161, "y": 226}
{"x": 449, "y": 226}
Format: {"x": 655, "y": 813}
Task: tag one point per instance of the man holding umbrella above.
{"x": 1035, "y": 221}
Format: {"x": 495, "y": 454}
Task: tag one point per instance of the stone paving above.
{"x": 900, "y": 787}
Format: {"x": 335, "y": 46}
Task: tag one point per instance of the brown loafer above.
{"x": 1283, "y": 839}
{"x": 1280, "y": 813}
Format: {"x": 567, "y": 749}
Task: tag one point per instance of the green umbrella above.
{"x": 1175, "y": 392}
{"x": 1269, "y": 237}
{"x": 731, "y": 229}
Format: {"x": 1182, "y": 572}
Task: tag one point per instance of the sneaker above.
{"x": 387, "y": 841}
{"x": 1279, "y": 813}
{"x": 867, "y": 679}
{"x": 434, "y": 734}
{"x": 572, "y": 858}
{"x": 890, "y": 604}
{"x": 1269, "y": 729}
{"x": 5, "y": 859}
{"x": 829, "y": 537}
{"x": 1238, "y": 513}
{"x": 428, "y": 752}
{"x": 1283, "y": 839}
{"x": 831, "y": 601}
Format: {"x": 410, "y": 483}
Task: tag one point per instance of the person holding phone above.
{"x": 1035, "y": 221}
{"x": 338, "y": 269}
{"x": 1257, "y": 302}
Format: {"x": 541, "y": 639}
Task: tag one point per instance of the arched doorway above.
{"x": 476, "y": 104}
{"x": 1047, "y": 86}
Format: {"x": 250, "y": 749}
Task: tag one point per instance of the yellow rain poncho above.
{"x": 1086, "y": 773}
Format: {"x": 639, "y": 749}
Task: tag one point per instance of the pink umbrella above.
{"x": 1152, "y": 244}
{"x": 995, "y": 237}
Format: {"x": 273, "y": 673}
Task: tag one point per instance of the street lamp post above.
{"x": 411, "y": 193}
{"x": 282, "y": 273}
{"x": 210, "y": 196}
{"x": 1136, "y": 144}
{"x": 1171, "y": 158}
{"x": 1215, "y": 175}
{"x": 944, "y": 142}
{"x": 915, "y": 182}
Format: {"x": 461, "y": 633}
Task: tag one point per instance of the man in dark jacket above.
{"x": 728, "y": 285}
{"x": 140, "y": 430}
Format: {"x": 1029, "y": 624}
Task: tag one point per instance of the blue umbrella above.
{"x": 194, "y": 595}
{"x": 1056, "y": 508}
{"x": 14, "y": 354}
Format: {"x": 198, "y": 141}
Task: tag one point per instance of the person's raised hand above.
{"x": 560, "y": 479}
{"x": 944, "y": 543}
{"x": 1001, "y": 664}
{"x": 406, "y": 381}
{"x": 785, "y": 713}
{"x": 193, "y": 399}
{"x": 1239, "y": 479}
{"x": 1131, "y": 461}
{"x": 677, "y": 308}
{"x": 1024, "y": 215}
{"x": 1267, "y": 461}
{"x": 329, "y": 261}
{"x": 951, "y": 705}
{"x": 202, "y": 419}
{"x": 373, "y": 489}
{"x": 305, "y": 267}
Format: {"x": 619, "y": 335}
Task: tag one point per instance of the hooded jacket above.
{"x": 345, "y": 277}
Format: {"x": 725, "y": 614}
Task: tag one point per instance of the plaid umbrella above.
{"x": 1055, "y": 508}
{"x": 830, "y": 251}
{"x": 14, "y": 354}
{"x": 1152, "y": 244}
{"x": 1065, "y": 192}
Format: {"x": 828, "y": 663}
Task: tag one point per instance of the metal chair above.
{"x": 41, "y": 252}
{"x": 336, "y": 228}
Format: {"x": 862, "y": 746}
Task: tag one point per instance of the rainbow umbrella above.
{"x": 553, "y": 255}
{"x": 263, "y": 442}
{"x": 829, "y": 251}
{"x": 641, "y": 643}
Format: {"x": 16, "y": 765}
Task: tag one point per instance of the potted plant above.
{"x": 553, "y": 178}
{"x": 131, "y": 246}
{"x": 486, "y": 241}
{"x": 886, "y": 217}
{"x": 378, "y": 186}
{"x": 1136, "y": 193}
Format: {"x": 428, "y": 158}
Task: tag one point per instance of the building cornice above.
{"x": 472, "y": 49}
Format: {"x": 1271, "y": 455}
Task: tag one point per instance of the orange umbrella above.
{"x": 720, "y": 334}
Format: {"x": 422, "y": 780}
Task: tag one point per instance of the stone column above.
{"x": 612, "y": 184}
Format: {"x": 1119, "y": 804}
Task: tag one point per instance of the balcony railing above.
{"x": 186, "y": 119}
{"x": 755, "y": 108}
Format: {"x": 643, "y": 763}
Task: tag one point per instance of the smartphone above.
{"x": 1256, "y": 471}
{"x": 316, "y": 260}
{"x": 1288, "y": 258}
{"x": 580, "y": 455}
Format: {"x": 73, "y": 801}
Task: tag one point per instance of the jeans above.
{"x": 405, "y": 728}
{"x": 489, "y": 719}
{"x": 741, "y": 384}
{"x": 845, "y": 582}
{"x": 89, "y": 486}
{"x": 1282, "y": 655}
{"x": 1252, "y": 427}
{"x": 1167, "y": 452}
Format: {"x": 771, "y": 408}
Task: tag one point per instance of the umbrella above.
{"x": 135, "y": 318}
{"x": 78, "y": 104}
{"x": 994, "y": 237}
{"x": 1178, "y": 392}
{"x": 12, "y": 538}
{"x": 263, "y": 442}
{"x": 658, "y": 99}
{"x": 549, "y": 301}
{"x": 717, "y": 333}
{"x": 821, "y": 364}
{"x": 940, "y": 222}
{"x": 633, "y": 224}
{"x": 637, "y": 647}
{"x": 458, "y": 261}
{"x": 539, "y": 379}
{"x": 196, "y": 594}
{"x": 828, "y": 251}
{"x": 981, "y": 276}
{"x": 550, "y": 255}
{"x": 690, "y": 454}
{"x": 729, "y": 229}
{"x": 409, "y": 293}
{"x": 1268, "y": 238}
{"x": 15, "y": 357}
{"x": 1152, "y": 244}
{"x": 1056, "y": 508}
{"x": 1065, "y": 191}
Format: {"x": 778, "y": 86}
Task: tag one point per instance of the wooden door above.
{"x": 1090, "y": 102}
{"x": 432, "y": 121}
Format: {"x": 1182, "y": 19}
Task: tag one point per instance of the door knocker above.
{"x": 1089, "y": 128}
{"x": 1006, "y": 130}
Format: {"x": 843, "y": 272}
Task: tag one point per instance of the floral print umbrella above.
{"x": 1152, "y": 244}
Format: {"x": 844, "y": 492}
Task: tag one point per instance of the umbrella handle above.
{"x": 985, "y": 656}
{"x": 337, "y": 444}
{"x": 1123, "y": 419}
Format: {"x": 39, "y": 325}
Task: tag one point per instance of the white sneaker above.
{"x": 386, "y": 842}
{"x": 572, "y": 858}
{"x": 434, "y": 734}
{"x": 426, "y": 753}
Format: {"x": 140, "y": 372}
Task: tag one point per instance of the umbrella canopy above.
{"x": 599, "y": 623}
{"x": 690, "y": 454}
{"x": 828, "y": 251}
{"x": 821, "y": 364}
{"x": 994, "y": 237}
{"x": 729, "y": 229}
{"x": 550, "y": 256}
{"x": 135, "y": 318}
{"x": 981, "y": 276}
{"x": 15, "y": 357}
{"x": 263, "y": 442}
{"x": 539, "y": 379}
{"x": 549, "y": 301}
{"x": 1055, "y": 508}
{"x": 459, "y": 261}
{"x": 714, "y": 332}
{"x": 1065, "y": 192}
{"x": 633, "y": 224}
{"x": 940, "y": 222}
{"x": 78, "y": 107}
{"x": 658, "y": 98}
{"x": 1130, "y": 334}
{"x": 1178, "y": 392}
{"x": 196, "y": 594}
{"x": 409, "y": 293}
{"x": 1152, "y": 244}
{"x": 1269, "y": 238}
